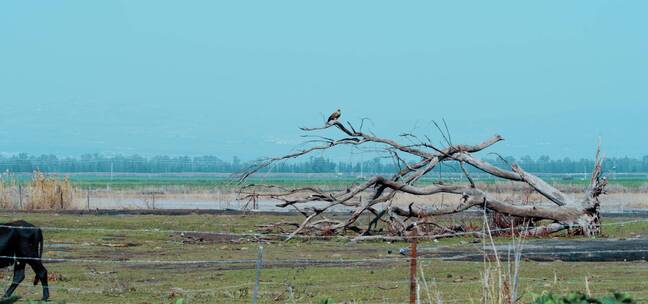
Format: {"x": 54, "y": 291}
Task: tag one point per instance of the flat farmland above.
{"x": 130, "y": 258}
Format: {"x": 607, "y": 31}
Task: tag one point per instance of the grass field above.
{"x": 221, "y": 181}
{"x": 114, "y": 265}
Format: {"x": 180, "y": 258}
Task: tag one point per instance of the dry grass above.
{"x": 7, "y": 190}
{"x": 501, "y": 280}
{"x": 48, "y": 193}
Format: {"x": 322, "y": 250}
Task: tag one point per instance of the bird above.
{"x": 334, "y": 116}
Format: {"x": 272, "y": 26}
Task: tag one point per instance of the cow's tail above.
{"x": 39, "y": 242}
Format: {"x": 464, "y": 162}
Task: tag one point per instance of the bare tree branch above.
{"x": 368, "y": 196}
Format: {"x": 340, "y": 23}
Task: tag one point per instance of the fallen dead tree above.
{"x": 375, "y": 196}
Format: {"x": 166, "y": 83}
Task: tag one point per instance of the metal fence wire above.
{"x": 260, "y": 262}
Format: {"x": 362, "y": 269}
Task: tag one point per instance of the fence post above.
{"x": 88, "y": 198}
{"x": 20, "y": 195}
{"x": 413, "y": 271}
{"x": 60, "y": 190}
{"x": 259, "y": 262}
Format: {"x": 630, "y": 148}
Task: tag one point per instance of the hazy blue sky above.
{"x": 238, "y": 77}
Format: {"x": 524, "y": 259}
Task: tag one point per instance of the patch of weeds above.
{"x": 118, "y": 288}
{"x": 240, "y": 293}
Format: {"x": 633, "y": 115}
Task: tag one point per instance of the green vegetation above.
{"x": 100, "y": 278}
{"x": 24, "y": 162}
{"x": 229, "y": 182}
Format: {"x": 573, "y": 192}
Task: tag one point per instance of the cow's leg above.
{"x": 41, "y": 275}
{"x": 18, "y": 276}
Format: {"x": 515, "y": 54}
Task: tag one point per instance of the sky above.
{"x": 230, "y": 78}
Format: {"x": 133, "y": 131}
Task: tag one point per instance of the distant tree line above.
{"x": 24, "y": 162}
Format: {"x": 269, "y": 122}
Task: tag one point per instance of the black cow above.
{"x": 22, "y": 243}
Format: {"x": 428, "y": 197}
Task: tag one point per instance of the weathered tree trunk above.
{"x": 570, "y": 212}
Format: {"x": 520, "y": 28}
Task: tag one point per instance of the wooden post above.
{"x": 259, "y": 263}
{"x": 153, "y": 195}
{"x": 61, "y": 196}
{"x": 88, "y": 199}
{"x": 20, "y": 196}
{"x": 413, "y": 271}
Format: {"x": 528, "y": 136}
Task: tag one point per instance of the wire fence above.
{"x": 346, "y": 263}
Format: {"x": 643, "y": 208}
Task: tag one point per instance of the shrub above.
{"x": 49, "y": 193}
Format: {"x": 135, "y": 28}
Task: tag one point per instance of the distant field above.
{"x": 224, "y": 180}
{"x": 218, "y": 191}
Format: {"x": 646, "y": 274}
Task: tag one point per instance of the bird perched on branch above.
{"x": 334, "y": 116}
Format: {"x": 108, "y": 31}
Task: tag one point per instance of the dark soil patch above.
{"x": 599, "y": 250}
{"x": 211, "y": 238}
